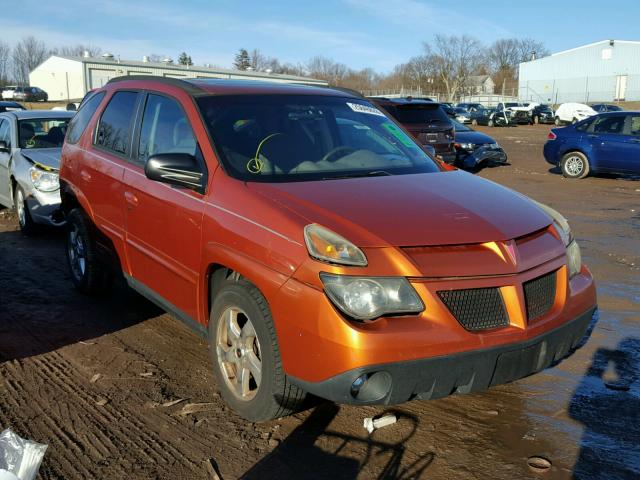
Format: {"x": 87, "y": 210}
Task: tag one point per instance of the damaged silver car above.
{"x": 30, "y": 147}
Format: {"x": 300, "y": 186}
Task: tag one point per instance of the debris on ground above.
{"x": 372, "y": 424}
{"x": 101, "y": 402}
{"x": 20, "y": 458}
{"x": 96, "y": 377}
{"x": 539, "y": 464}
{"x": 212, "y": 469}
{"x": 190, "y": 408}
{"x": 171, "y": 403}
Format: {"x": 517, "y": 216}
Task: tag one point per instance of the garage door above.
{"x": 98, "y": 78}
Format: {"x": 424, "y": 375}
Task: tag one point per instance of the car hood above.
{"x": 49, "y": 158}
{"x": 473, "y": 137}
{"x": 444, "y": 208}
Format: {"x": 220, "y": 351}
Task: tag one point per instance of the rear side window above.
{"x": 609, "y": 124}
{"x": 81, "y": 119}
{"x": 165, "y": 129}
{"x": 114, "y": 130}
{"x": 635, "y": 125}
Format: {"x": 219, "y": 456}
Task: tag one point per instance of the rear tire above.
{"x": 246, "y": 357}
{"x": 574, "y": 165}
{"x": 490, "y": 123}
{"x": 25, "y": 221}
{"x": 474, "y": 122}
{"x": 88, "y": 274}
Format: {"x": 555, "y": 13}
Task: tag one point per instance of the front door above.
{"x": 163, "y": 238}
{"x": 5, "y": 158}
{"x": 608, "y": 142}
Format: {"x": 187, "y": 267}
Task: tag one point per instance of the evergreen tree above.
{"x": 242, "y": 61}
{"x": 185, "y": 59}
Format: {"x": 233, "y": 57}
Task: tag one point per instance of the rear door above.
{"x": 631, "y": 161}
{"x": 102, "y": 170}
{"x": 608, "y": 142}
{"x": 163, "y": 239}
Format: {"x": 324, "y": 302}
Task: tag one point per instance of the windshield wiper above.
{"x": 373, "y": 173}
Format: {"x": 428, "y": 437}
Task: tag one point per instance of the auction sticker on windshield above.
{"x": 356, "y": 107}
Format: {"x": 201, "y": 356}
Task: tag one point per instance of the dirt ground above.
{"x": 118, "y": 389}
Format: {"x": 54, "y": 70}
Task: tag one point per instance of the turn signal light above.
{"x": 552, "y": 136}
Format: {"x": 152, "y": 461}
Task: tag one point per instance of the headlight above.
{"x": 325, "y": 245}
{"x": 467, "y": 146}
{"x": 574, "y": 258}
{"x": 44, "y": 181}
{"x": 366, "y": 298}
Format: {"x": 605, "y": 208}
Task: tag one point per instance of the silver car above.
{"x": 30, "y": 147}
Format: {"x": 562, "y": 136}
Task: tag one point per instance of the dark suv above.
{"x": 426, "y": 121}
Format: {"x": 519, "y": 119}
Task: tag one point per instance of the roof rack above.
{"x": 189, "y": 87}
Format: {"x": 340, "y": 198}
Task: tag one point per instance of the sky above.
{"x": 360, "y": 33}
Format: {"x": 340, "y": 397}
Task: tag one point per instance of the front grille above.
{"x": 476, "y": 308}
{"x": 539, "y": 294}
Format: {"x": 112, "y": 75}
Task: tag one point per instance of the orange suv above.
{"x": 315, "y": 244}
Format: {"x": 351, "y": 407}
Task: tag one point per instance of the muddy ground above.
{"x": 110, "y": 384}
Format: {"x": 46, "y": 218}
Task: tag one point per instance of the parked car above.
{"x": 605, "y": 107}
{"x": 25, "y": 94}
{"x": 542, "y": 114}
{"x": 30, "y": 146}
{"x": 517, "y": 113}
{"x": 605, "y": 143}
{"x": 462, "y": 115}
{"x": 474, "y": 149}
{"x": 572, "y": 113}
{"x": 8, "y": 91}
{"x": 448, "y": 109}
{"x": 327, "y": 251}
{"x": 10, "y": 107}
{"x": 494, "y": 118}
{"x": 480, "y": 116}
{"x": 470, "y": 107}
{"x": 426, "y": 121}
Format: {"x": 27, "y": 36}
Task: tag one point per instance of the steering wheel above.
{"x": 333, "y": 152}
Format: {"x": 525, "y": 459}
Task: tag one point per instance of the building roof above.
{"x": 632, "y": 42}
{"x": 478, "y": 80}
{"x": 193, "y": 68}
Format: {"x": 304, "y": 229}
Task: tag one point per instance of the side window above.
{"x": 114, "y": 129}
{"x": 635, "y": 125}
{"x": 80, "y": 120}
{"x": 609, "y": 124}
{"x": 165, "y": 129}
{"x": 585, "y": 124}
{"x": 5, "y": 132}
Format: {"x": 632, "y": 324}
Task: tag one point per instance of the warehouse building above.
{"x": 605, "y": 71}
{"x": 66, "y": 78}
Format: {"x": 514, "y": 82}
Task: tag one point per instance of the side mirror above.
{"x": 3, "y": 146}
{"x": 180, "y": 169}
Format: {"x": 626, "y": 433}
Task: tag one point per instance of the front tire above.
{"x": 557, "y": 121}
{"x": 490, "y": 123}
{"x": 574, "y": 165}
{"x": 25, "y": 221}
{"x": 474, "y": 122}
{"x": 88, "y": 274}
{"x": 536, "y": 119}
{"x": 246, "y": 357}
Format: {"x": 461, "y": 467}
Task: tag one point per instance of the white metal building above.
{"x": 608, "y": 71}
{"x": 66, "y": 78}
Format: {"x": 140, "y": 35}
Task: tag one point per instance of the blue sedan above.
{"x": 605, "y": 143}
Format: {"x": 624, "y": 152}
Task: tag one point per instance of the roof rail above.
{"x": 185, "y": 85}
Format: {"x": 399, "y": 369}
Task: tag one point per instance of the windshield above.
{"x": 278, "y": 138}
{"x": 42, "y": 132}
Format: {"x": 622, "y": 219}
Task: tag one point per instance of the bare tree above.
{"x": 454, "y": 59}
{"x": 27, "y": 55}
{"x": 76, "y": 50}
{"x": 326, "y": 69}
{"x": 5, "y": 56}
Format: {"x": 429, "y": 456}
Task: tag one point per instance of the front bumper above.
{"x": 465, "y": 372}
{"x": 481, "y": 155}
{"x": 44, "y": 207}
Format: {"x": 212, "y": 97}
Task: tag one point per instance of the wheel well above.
{"x": 217, "y": 275}
{"x": 574, "y": 150}
{"x": 68, "y": 201}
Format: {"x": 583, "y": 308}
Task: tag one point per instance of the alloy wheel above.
{"x": 574, "y": 166}
{"x": 238, "y": 353}
{"x": 22, "y": 215}
{"x": 77, "y": 253}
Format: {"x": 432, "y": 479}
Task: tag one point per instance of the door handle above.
{"x": 131, "y": 199}
{"x": 86, "y": 176}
